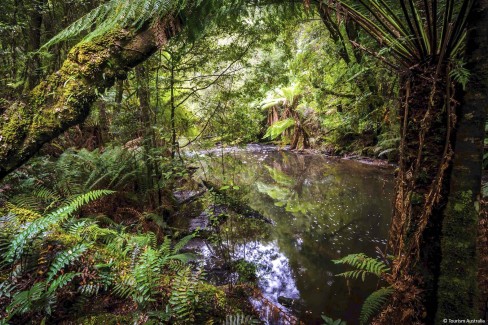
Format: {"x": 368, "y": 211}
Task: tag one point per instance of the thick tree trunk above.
{"x": 457, "y": 293}
{"x": 421, "y": 187}
{"x": 65, "y": 97}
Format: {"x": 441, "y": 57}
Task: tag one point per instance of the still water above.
{"x": 321, "y": 208}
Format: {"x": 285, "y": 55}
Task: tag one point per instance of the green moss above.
{"x": 457, "y": 290}
{"x": 106, "y": 319}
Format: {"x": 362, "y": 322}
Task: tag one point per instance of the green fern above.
{"x": 117, "y": 14}
{"x": 65, "y": 258}
{"x": 61, "y": 281}
{"x": 373, "y": 304}
{"x": 184, "y": 295}
{"x": 19, "y": 242}
{"x": 23, "y": 301}
{"x": 363, "y": 264}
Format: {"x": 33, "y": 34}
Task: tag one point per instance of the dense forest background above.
{"x": 101, "y": 102}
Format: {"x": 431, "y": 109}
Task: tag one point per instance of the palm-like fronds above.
{"x": 118, "y": 14}
{"x": 414, "y": 31}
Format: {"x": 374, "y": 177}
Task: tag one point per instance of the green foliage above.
{"x": 144, "y": 280}
{"x": 65, "y": 258}
{"x": 117, "y": 14}
{"x": 184, "y": 295}
{"x": 460, "y": 74}
{"x": 278, "y": 128}
{"x": 16, "y": 248}
{"x": 367, "y": 265}
{"x": 373, "y": 304}
{"x": 408, "y": 31}
{"x": 363, "y": 264}
{"x": 84, "y": 170}
{"x": 330, "y": 321}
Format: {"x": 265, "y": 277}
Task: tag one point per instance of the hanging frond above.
{"x": 278, "y": 128}
{"x": 373, "y": 304}
{"x": 117, "y": 14}
{"x": 363, "y": 264}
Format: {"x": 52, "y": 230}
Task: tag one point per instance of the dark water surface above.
{"x": 322, "y": 209}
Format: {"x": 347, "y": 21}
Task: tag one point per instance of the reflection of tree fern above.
{"x": 363, "y": 264}
{"x": 240, "y": 319}
{"x": 373, "y": 303}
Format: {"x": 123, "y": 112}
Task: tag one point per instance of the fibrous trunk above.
{"x": 427, "y": 120}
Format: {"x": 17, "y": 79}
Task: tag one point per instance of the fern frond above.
{"x": 16, "y": 248}
{"x": 65, "y": 258}
{"x": 182, "y": 243}
{"x": 372, "y": 305}
{"x": 22, "y": 301}
{"x": 363, "y": 264}
{"x": 116, "y": 14}
{"x": 61, "y": 281}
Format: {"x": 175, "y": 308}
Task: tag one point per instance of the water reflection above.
{"x": 322, "y": 209}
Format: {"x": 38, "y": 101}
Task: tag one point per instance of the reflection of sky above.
{"x": 274, "y": 272}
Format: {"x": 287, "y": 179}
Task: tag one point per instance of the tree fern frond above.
{"x": 364, "y": 264}
{"x": 116, "y": 14}
{"x": 372, "y": 305}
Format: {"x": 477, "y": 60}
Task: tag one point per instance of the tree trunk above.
{"x": 65, "y": 97}
{"x": 421, "y": 188}
{"x": 457, "y": 293}
{"x": 34, "y": 62}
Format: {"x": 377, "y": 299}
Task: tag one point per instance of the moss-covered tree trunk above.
{"x": 457, "y": 293}
{"x": 65, "y": 97}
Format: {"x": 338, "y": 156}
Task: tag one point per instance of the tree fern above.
{"x": 117, "y": 14}
{"x": 372, "y": 305}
